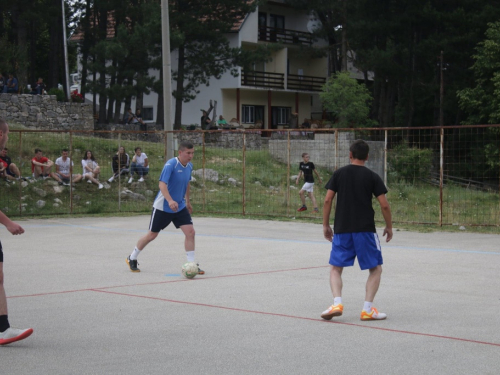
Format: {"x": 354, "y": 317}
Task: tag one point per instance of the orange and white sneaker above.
{"x": 332, "y": 311}
{"x": 373, "y": 315}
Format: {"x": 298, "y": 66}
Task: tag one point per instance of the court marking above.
{"x": 322, "y": 242}
{"x": 299, "y": 317}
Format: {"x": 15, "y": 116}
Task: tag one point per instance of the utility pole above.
{"x": 167, "y": 80}
{"x": 441, "y": 88}
{"x": 66, "y": 68}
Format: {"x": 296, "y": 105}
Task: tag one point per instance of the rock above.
{"x": 130, "y": 195}
{"x": 232, "y": 181}
{"x": 55, "y": 205}
{"x": 293, "y": 178}
{"x": 149, "y": 193}
{"x": 293, "y": 187}
{"x": 193, "y": 179}
{"x": 57, "y": 200}
{"x": 24, "y": 197}
{"x": 76, "y": 197}
{"x": 24, "y": 184}
{"x": 52, "y": 182}
{"x": 40, "y": 204}
{"x": 461, "y": 227}
{"x": 40, "y": 192}
{"x": 58, "y": 189}
{"x": 257, "y": 183}
{"x": 210, "y": 174}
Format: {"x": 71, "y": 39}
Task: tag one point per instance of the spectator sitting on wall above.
{"x": 138, "y": 116}
{"x": 11, "y": 171}
{"x": 130, "y": 117}
{"x": 12, "y": 85}
{"x": 205, "y": 120}
{"x": 120, "y": 164}
{"x": 139, "y": 165}
{"x": 294, "y": 120}
{"x": 306, "y": 124}
{"x": 38, "y": 88}
{"x": 222, "y": 122}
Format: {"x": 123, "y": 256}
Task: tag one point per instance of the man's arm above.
{"x": 317, "y": 174}
{"x": 10, "y": 225}
{"x": 298, "y": 178}
{"x": 171, "y": 203}
{"x": 327, "y": 209}
{"x": 386, "y": 213}
{"x": 146, "y": 163}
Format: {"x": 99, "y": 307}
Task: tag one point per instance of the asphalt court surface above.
{"x": 257, "y": 309}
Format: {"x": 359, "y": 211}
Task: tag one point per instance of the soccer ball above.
{"x": 190, "y": 270}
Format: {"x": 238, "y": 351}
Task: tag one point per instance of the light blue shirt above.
{"x": 177, "y": 178}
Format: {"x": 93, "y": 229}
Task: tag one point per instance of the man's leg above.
{"x": 336, "y": 286}
{"x": 373, "y": 283}
{"x": 145, "y": 240}
{"x": 38, "y": 171}
{"x": 313, "y": 200}
{"x": 3, "y": 298}
{"x": 189, "y": 232}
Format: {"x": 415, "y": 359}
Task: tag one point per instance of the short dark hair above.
{"x": 359, "y": 149}
{"x": 37, "y": 150}
{"x": 304, "y": 154}
{"x": 64, "y": 150}
{"x": 137, "y": 148}
{"x": 186, "y": 145}
{"x": 5, "y": 148}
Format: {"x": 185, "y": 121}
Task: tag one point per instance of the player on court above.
{"x": 354, "y": 228}
{"x": 171, "y": 205}
{"x": 8, "y": 334}
{"x": 307, "y": 167}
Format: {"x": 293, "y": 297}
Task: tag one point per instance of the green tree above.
{"x": 348, "y": 100}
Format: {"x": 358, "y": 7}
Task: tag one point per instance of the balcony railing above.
{"x": 285, "y": 36}
{"x": 306, "y": 83}
{"x": 263, "y": 79}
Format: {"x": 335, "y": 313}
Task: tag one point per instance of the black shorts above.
{"x": 161, "y": 219}
{"x": 1, "y": 253}
{"x": 9, "y": 172}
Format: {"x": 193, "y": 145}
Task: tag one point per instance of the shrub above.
{"x": 58, "y": 93}
{"x": 409, "y": 163}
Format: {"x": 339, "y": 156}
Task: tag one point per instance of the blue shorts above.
{"x": 364, "y": 245}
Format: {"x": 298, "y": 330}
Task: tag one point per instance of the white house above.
{"x": 271, "y": 91}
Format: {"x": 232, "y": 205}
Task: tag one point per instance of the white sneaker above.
{"x": 111, "y": 179}
{"x": 130, "y": 180}
{"x": 373, "y": 315}
{"x": 141, "y": 179}
{"x": 14, "y": 334}
{"x": 100, "y": 186}
{"x": 89, "y": 181}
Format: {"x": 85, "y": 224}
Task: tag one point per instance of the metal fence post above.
{"x": 441, "y": 165}
{"x": 119, "y": 173}
{"x": 385, "y": 158}
{"x": 288, "y": 177}
{"x": 203, "y": 168}
{"x": 244, "y": 171}
{"x": 19, "y": 163}
{"x": 71, "y": 172}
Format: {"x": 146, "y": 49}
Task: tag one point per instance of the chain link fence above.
{"x": 441, "y": 176}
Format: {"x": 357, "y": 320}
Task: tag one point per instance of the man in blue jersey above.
{"x": 171, "y": 205}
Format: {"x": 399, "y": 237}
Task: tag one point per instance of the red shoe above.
{"x": 14, "y": 334}
{"x": 303, "y": 208}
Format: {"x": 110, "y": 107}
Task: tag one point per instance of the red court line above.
{"x": 164, "y": 282}
{"x": 299, "y": 317}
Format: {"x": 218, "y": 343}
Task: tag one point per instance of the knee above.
{"x": 190, "y": 233}
{"x": 376, "y": 270}
{"x": 152, "y": 236}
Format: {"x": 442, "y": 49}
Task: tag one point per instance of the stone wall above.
{"x": 44, "y": 112}
{"x": 225, "y": 139}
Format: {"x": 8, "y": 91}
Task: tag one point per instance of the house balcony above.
{"x": 285, "y": 36}
{"x": 262, "y": 79}
{"x": 305, "y": 83}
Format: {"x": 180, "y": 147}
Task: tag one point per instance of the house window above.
{"x": 147, "y": 113}
{"x": 282, "y": 115}
{"x": 248, "y": 114}
{"x": 276, "y": 21}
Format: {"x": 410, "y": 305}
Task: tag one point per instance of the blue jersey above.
{"x": 177, "y": 178}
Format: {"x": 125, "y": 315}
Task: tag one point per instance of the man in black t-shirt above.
{"x": 354, "y": 228}
{"x": 306, "y": 167}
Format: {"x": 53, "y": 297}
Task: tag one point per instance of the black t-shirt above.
{"x": 354, "y": 186}
{"x": 307, "y": 169}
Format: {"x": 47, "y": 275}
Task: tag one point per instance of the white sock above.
{"x": 190, "y": 256}
{"x": 337, "y": 301}
{"x": 368, "y": 306}
{"x": 135, "y": 253}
